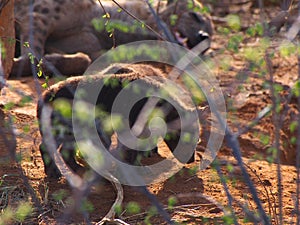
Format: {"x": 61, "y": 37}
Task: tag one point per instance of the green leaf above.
{"x": 106, "y": 15}
{"x": 25, "y": 99}
{"x": 98, "y": 24}
{"x": 228, "y": 219}
{"x": 287, "y": 48}
{"x": 31, "y": 58}
{"x": 23, "y": 211}
{"x": 118, "y": 209}
{"x": 223, "y": 30}
{"x": 230, "y": 167}
{"x": 39, "y": 73}
{"x": 26, "y": 44}
{"x": 264, "y": 139}
{"x": 293, "y": 140}
{"x": 234, "y": 22}
{"x": 225, "y": 63}
{"x": 133, "y": 208}
{"x": 173, "y": 19}
{"x": 193, "y": 170}
{"x": 86, "y": 206}
{"x": 113, "y": 122}
{"x": 186, "y": 137}
{"x": 45, "y": 85}
{"x": 63, "y": 106}
{"x": 259, "y": 29}
{"x": 151, "y": 212}
{"x": 251, "y": 31}
{"x": 234, "y": 43}
{"x": 278, "y": 87}
{"x": 171, "y": 202}
{"x": 194, "y": 89}
{"x": 9, "y": 105}
{"x": 7, "y": 216}
{"x": 296, "y": 88}
{"x": 293, "y": 126}
{"x": 190, "y": 4}
{"x": 59, "y": 195}
{"x": 205, "y": 10}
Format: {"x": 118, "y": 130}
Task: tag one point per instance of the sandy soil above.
{"x": 200, "y": 196}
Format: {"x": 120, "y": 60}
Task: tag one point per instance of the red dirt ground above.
{"x": 199, "y": 195}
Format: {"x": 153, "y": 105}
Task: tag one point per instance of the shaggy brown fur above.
{"x": 65, "y": 27}
{"x": 113, "y": 80}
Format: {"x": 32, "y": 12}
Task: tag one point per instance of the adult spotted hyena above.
{"x": 69, "y": 34}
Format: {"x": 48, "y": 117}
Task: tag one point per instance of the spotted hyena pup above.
{"x": 121, "y": 85}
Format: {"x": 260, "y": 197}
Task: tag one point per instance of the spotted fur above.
{"x": 65, "y": 27}
{"x": 113, "y": 80}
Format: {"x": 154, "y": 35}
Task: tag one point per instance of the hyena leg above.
{"x": 182, "y": 140}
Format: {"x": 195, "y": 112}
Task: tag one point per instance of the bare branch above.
{"x": 76, "y": 182}
{"x": 137, "y": 19}
{"x": 276, "y": 121}
{"x": 297, "y": 205}
{"x": 161, "y": 25}
{"x": 3, "y": 4}
{"x": 110, "y": 216}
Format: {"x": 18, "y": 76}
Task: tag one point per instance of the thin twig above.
{"x": 161, "y": 25}
{"x": 271, "y": 208}
{"x": 228, "y": 195}
{"x": 233, "y": 143}
{"x": 30, "y": 189}
{"x": 157, "y": 204}
{"x": 298, "y": 145}
{"x": 140, "y": 21}
{"x": 3, "y": 3}
{"x": 276, "y": 121}
{"x": 263, "y": 113}
{"x": 107, "y": 16}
